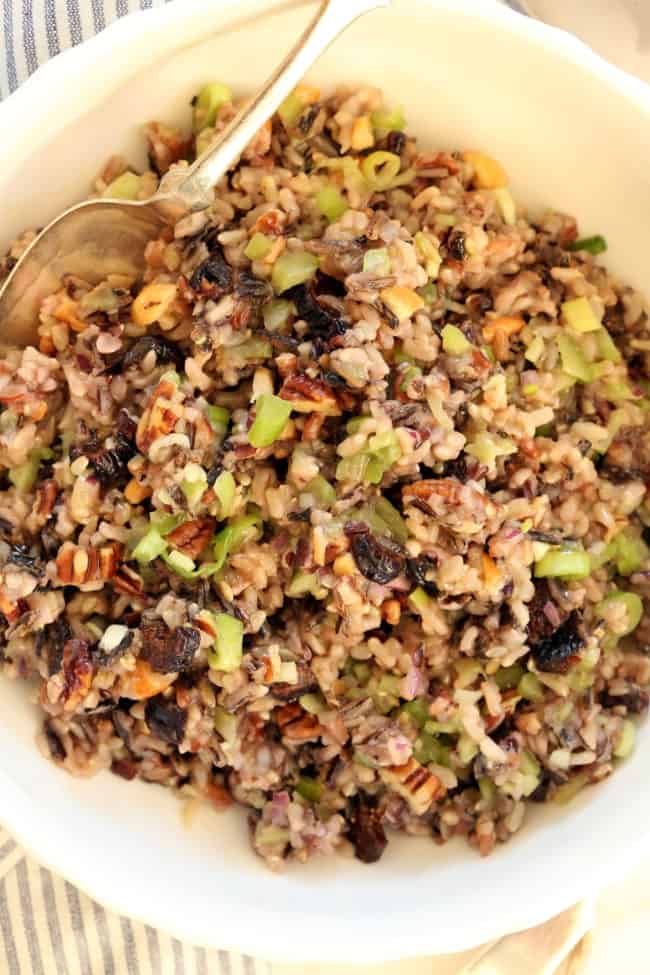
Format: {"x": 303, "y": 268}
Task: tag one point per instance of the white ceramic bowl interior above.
{"x": 571, "y": 132}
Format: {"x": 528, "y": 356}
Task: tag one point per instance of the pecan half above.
{"x": 308, "y": 395}
{"x": 192, "y": 536}
{"x": 415, "y": 783}
{"x": 87, "y": 567}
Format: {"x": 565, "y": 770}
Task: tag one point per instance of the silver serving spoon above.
{"x": 101, "y": 237}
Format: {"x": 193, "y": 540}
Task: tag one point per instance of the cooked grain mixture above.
{"x": 340, "y": 513}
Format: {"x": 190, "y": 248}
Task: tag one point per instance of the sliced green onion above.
{"x": 181, "y": 563}
{"x": 453, "y": 341}
{"x": 467, "y": 749}
{"x": 305, "y": 584}
{"x": 563, "y": 563}
{"x": 276, "y": 314}
{"x": 632, "y": 603}
{"x": 380, "y": 169}
{"x": 309, "y": 789}
{"x": 487, "y": 789}
{"x": 24, "y": 476}
{"x": 208, "y": 102}
{"x": 312, "y": 703}
{"x": 486, "y": 447}
{"x": 124, "y": 187}
{"x": 227, "y": 652}
{"x": 322, "y": 491}
{"x": 429, "y": 749}
{"x": 388, "y": 120}
{"x": 579, "y": 316}
{"x": 429, "y": 293}
{"x": 408, "y": 375}
{"x": 245, "y": 529}
{"x": 607, "y": 348}
{"x": 149, "y": 547}
{"x": 628, "y": 552}
{"x": 428, "y": 250}
{"x": 258, "y": 247}
{"x": 377, "y": 262}
{"x": 291, "y": 108}
{"x": 627, "y": 741}
{"x": 194, "y": 484}
{"x": 420, "y": 600}
{"x": 443, "y": 220}
{"x": 165, "y": 523}
{"x": 392, "y": 518}
{"x": 418, "y": 710}
{"x": 506, "y": 678}
{"x": 595, "y": 244}
{"x": 219, "y": 418}
{"x": 271, "y": 416}
{"x": 224, "y": 487}
{"x": 330, "y": 203}
{"x": 531, "y": 688}
{"x": 291, "y": 269}
{"x": 352, "y": 468}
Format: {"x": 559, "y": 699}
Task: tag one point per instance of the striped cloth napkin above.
{"x": 47, "y": 926}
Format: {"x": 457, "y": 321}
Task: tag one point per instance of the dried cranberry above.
{"x": 165, "y": 719}
{"x": 366, "y": 830}
{"x": 168, "y": 650}
{"x": 52, "y": 638}
{"x": 322, "y": 322}
{"x": 215, "y": 270}
{"x": 554, "y": 652}
{"x": 165, "y": 349}
{"x": 419, "y": 571}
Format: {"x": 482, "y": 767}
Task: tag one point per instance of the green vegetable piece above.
{"x": 429, "y": 293}
{"x": 607, "y": 348}
{"x": 224, "y": 488}
{"x": 354, "y": 425}
{"x": 276, "y": 314}
{"x": 388, "y": 120}
{"x": 322, "y": 491}
{"x": 219, "y": 418}
{"x": 428, "y": 749}
{"x": 467, "y": 749}
{"x": 454, "y": 342}
{"x": 124, "y": 187}
{"x": 380, "y": 169}
{"x": 418, "y": 710}
{"x": 594, "y": 245}
{"x": 535, "y": 350}
{"x": 486, "y": 447}
{"x": 392, "y": 518}
{"x": 508, "y": 677}
{"x": 413, "y": 372}
{"x": 182, "y": 564}
{"x": 563, "y": 563}
{"x": 574, "y": 362}
{"x": 564, "y": 794}
{"x": 628, "y": 552}
{"x": 312, "y": 703}
{"x": 194, "y": 484}
{"x": 443, "y": 220}
{"x": 253, "y": 348}
{"x": 309, "y": 789}
{"x": 633, "y": 606}
{"x": 271, "y": 416}
{"x": 487, "y": 789}
{"x": 506, "y": 205}
{"x": 579, "y": 315}
{"x": 229, "y": 641}
{"x": 165, "y": 523}
{"x": 292, "y": 268}
{"x": 226, "y": 724}
{"x": 291, "y": 109}
{"x": 208, "y": 102}
{"x": 352, "y": 468}
{"x": 330, "y": 203}
{"x": 627, "y": 741}
{"x": 531, "y": 688}
{"x": 24, "y": 476}
{"x": 420, "y": 600}
{"x": 258, "y": 247}
{"x": 149, "y": 547}
{"x": 377, "y": 262}
{"x": 305, "y": 584}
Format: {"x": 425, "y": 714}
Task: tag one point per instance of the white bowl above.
{"x": 572, "y": 132}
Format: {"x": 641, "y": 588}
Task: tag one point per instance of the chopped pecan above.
{"x": 192, "y": 536}
{"x": 129, "y": 582}
{"x": 296, "y": 725}
{"x": 86, "y": 567}
{"x": 77, "y": 669}
{"x": 46, "y": 495}
{"x": 415, "y": 783}
{"x": 308, "y": 395}
{"x": 160, "y": 416}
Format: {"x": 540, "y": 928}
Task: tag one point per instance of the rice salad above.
{"x": 340, "y": 512}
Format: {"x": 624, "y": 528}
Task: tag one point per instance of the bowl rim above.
{"x": 265, "y": 938}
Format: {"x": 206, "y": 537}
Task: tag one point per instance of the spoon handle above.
{"x": 195, "y": 188}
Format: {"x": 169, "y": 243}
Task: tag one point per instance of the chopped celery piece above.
{"x": 443, "y": 220}
{"x": 429, "y": 293}
{"x": 149, "y": 547}
{"x": 574, "y": 362}
{"x": 253, "y": 348}
{"x": 223, "y": 545}
{"x": 442, "y": 727}
{"x": 312, "y": 703}
{"x": 419, "y": 600}
{"x": 362, "y": 672}
{"x": 429, "y": 749}
{"x": 224, "y": 487}
{"x": 330, "y": 203}
{"x": 486, "y": 447}
{"x": 535, "y": 350}
{"x": 271, "y": 416}
{"x": 125, "y": 187}
{"x": 579, "y": 315}
{"x": 563, "y": 563}
{"x": 377, "y": 262}
{"x": 418, "y": 710}
{"x": 322, "y": 490}
{"x": 626, "y": 742}
{"x": 165, "y": 523}
{"x": 219, "y": 418}
{"x": 233, "y": 536}
{"x": 226, "y": 724}
{"x": 567, "y": 792}
{"x": 628, "y": 551}
{"x": 208, "y": 102}
{"x": 309, "y": 789}
{"x": 531, "y": 688}
{"x": 226, "y": 654}
{"x": 467, "y": 749}
{"x": 354, "y": 424}
{"x": 293, "y": 268}
{"x": 392, "y": 518}
{"x": 352, "y": 468}
{"x": 427, "y": 248}
{"x": 276, "y": 314}
{"x": 180, "y": 563}
{"x": 607, "y": 348}
{"x": 292, "y": 107}
{"x": 24, "y": 476}
{"x": 468, "y": 671}
{"x": 453, "y": 341}
{"x": 594, "y": 245}
{"x": 633, "y": 605}
{"x": 530, "y": 389}
{"x": 194, "y": 484}
{"x": 388, "y": 120}
{"x": 508, "y": 677}
{"x": 305, "y": 584}
{"x": 506, "y": 205}
{"x": 408, "y": 375}
{"x": 487, "y": 789}
{"x": 258, "y": 247}
{"x": 380, "y": 169}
